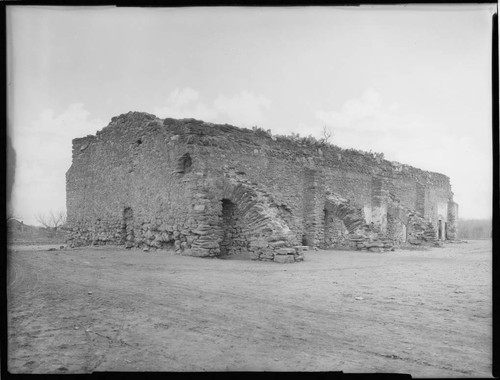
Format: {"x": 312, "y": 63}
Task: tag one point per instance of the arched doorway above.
{"x": 335, "y": 232}
{"x": 251, "y": 223}
{"x": 341, "y": 218}
{"x": 228, "y": 227}
{"x": 235, "y": 243}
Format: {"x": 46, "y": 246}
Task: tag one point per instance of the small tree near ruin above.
{"x": 327, "y": 133}
{"x": 52, "y": 220}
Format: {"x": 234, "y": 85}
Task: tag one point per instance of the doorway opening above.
{"x": 440, "y": 229}
{"x": 334, "y": 229}
{"x": 228, "y": 227}
{"x": 128, "y": 227}
{"x": 235, "y": 243}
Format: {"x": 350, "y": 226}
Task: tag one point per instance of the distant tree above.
{"x": 326, "y": 135}
{"x": 52, "y": 220}
{"x": 474, "y": 229}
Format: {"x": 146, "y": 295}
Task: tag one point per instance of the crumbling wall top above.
{"x": 260, "y": 142}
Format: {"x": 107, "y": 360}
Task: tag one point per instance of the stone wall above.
{"x": 113, "y": 172}
{"x": 211, "y": 190}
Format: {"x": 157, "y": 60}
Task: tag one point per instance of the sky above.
{"x": 413, "y": 82}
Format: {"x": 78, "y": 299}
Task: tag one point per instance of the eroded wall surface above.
{"x": 210, "y": 190}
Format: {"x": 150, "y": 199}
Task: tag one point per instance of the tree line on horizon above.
{"x": 474, "y": 229}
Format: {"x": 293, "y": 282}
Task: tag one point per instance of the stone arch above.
{"x": 350, "y": 215}
{"x": 335, "y": 232}
{"x": 341, "y": 219}
{"x": 234, "y": 204}
{"x": 258, "y": 226}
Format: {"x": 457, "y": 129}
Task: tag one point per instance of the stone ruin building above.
{"x": 201, "y": 189}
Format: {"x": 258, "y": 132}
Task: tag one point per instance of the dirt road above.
{"x": 427, "y": 313}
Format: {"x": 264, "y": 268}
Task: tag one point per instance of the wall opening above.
{"x": 396, "y": 229}
{"x": 440, "y": 229}
{"x": 228, "y": 227}
{"x": 341, "y": 219}
{"x": 335, "y": 232}
{"x": 326, "y": 221}
{"x": 128, "y": 227}
{"x": 184, "y": 164}
{"x": 446, "y": 230}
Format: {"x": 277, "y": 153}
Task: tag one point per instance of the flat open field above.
{"x": 427, "y": 313}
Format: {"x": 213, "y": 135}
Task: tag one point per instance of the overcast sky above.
{"x": 411, "y": 82}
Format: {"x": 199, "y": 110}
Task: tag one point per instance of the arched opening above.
{"x": 228, "y": 227}
{"x": 184, "y": 164}
{"x": 341, "y": 218}
{"x": 234, "y": 223}
{"x": 128, "y": 227}
{"x": 249, "y": 225}
{"x": 335, "y": 232}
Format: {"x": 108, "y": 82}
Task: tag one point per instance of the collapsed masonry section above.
{"x": 237, "y": 217}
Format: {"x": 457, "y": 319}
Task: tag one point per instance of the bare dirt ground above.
{"x": 427, "y": 313}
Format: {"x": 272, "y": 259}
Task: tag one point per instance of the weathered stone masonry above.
{"x": 211, "y": 190}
